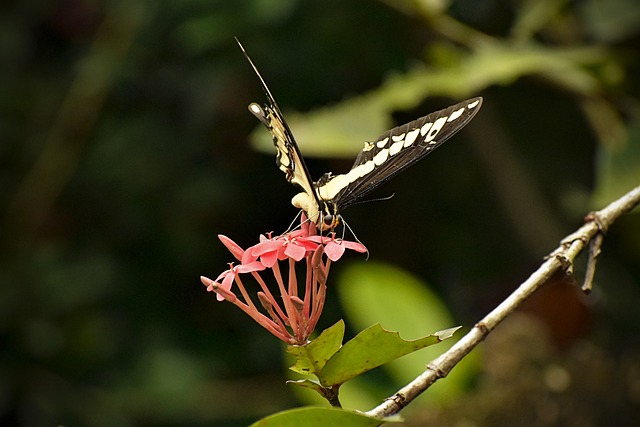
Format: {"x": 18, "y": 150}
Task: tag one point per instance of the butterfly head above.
{"x": 329, "y": 218}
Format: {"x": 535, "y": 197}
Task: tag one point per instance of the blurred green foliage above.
{"x": 124, "y": 151}
{"x": 367, "y": 290}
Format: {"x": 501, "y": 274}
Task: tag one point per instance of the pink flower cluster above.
{"x": 294, "y": 317}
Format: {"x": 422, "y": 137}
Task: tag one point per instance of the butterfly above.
{"x": 379, "y": 161}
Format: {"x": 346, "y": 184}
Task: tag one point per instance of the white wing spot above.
{"x": 437, "y": 125}
{"x": 284, "y": 162}
{"x": 411, "y": 137}
{"x": 425, "y": 128}
{"x": 473, "y": 104}
{"x": 455, "y": 115}
{"x": 381, "y": 157}
{"x": 398, "y": 137}
{"x": 382, "y": 143}
{"x": 395, "y": 148}
{"x": 340, "y": 182}
{"x": 256, "y": 109}
{"x": 360, "y": 171}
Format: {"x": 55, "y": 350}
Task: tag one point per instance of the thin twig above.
{"x": 559, "y": 260}
{"x": 594, "y": 251}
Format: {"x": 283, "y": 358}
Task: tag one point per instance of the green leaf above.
{"x": 309, "y": 384}
{"x": 311, "y": 358}
{"x": 375, "y": 292}
{"x": 371, "y": 348}
{"x": 320, "y": 417}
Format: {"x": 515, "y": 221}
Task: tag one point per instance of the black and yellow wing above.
{"x": 378, "y": 162}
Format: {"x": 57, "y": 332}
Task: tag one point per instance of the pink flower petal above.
{"x": 269, "y": 259}
{"x": 294, "y": 251}
{"x": 219, "y": 289}
{"x": 226, "y": 285}
{"x": 354, "y": 246}
{"x": 307, "y": 243}
{"x": 233, "y": 247}
{"x": 319, "y": 239}
{"x": 266, "y": 246}
{"x": 248, "y": 257}
{"x": 281, "y": 254}
{"x": 252, "y": 266}
{"x": 223, "y": 274}
{"x": 334, "y": 251}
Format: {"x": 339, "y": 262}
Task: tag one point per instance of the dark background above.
{"x": 125, "y": 150}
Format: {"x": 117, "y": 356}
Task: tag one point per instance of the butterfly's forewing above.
{"x": 288, "y": 158}
{"x": 394, "y": 151}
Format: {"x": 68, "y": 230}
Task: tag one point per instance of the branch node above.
{"x": 483, "y": 328}
{"x": 568, "y": 240}
{"x": 398, "y": 399}
{"x": 566, "y": 263}
{"x": 435, "y": 368}
{"x": 595, "y": 217}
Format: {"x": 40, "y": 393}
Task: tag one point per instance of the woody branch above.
{"x": 560, "y": 260}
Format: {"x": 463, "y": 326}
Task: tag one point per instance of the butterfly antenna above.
{"x": 378, "y": 199}
{"x": 255, "y": 69}
{"x": 291, "y": 227}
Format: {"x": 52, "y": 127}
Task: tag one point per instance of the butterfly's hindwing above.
{"x": 394, "y": 151}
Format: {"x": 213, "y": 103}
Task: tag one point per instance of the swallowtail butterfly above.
{"x": 378, "y": 162}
